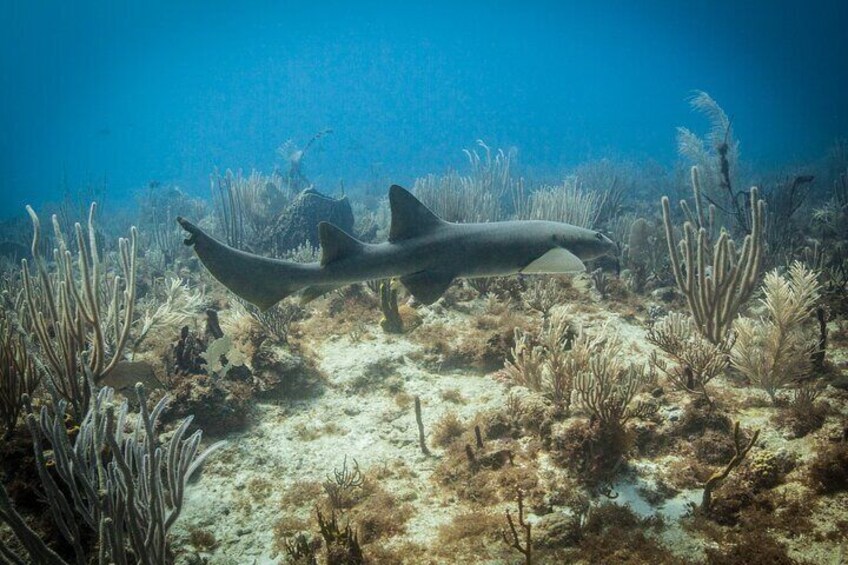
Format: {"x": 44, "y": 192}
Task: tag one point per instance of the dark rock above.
{"x": 555, "y": 530}
{"x": 840, "y": 382}
{"x": 298, "y": 224}
{"x": 665, "y": 294}
{"x": 498, "y": 426}
{"x": 495, "y": 460}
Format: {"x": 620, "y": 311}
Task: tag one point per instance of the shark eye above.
{"x": 599, "y": 236}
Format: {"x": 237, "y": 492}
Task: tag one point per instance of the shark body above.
{"x": 424, "y": 251}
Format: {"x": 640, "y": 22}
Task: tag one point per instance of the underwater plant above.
{"x": 81, "y": 321}
{"x": 717, "y": 157}
{"x": 568, "y": 202}
{"x": 550, "y": 366}
{"x": 245, "y": 207}
{"x": 19, "y": 375}
{"x": 608, "y": 386}
{"x": 715, "y": 279}
{"x": 696, "y": 361}
{"x": 126, "y": 488}
{"x": 777, "y": 350}
{"x": 477, "y": 197}
{"x": 391, "y": 322}
{"x": 513, "y": 540}
{"x": 741, "y": 450}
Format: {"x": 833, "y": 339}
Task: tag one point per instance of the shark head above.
{"x": 584, "y": 243}
{"x": 566, "y": 247}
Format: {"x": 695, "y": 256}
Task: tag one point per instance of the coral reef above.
{"x": 536, "y": 418}
{"x": 777, "y": 351}
{"x": 82, "y": 321}
{"x": 717, "y": 279}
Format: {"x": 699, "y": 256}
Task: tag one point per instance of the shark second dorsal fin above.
{"x": 410, "y": 218}
{"x": 336, "y": 243}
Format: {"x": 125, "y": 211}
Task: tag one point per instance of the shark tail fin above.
{"x": 261, "y": 281}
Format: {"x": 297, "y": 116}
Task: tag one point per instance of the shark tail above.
{"x": 261, "y": 281}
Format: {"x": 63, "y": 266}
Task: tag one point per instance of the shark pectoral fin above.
{"x": 310, "y": 293}
{"x": 555, "y": 261}
{"x": 410, "y": 218}
{"x": 427, "y": 286}
{"x": 336, "y": 243}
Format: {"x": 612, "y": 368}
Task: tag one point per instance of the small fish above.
{"x": 126, "y": 374}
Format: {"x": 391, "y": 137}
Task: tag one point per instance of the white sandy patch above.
{"x": 367, "y": 426}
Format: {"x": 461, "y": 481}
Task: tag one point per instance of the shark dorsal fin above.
{"x": 410, "y": 218}
{"x": 336, "y": 243}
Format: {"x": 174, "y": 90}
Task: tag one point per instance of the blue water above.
{"x": 128, "y": 93}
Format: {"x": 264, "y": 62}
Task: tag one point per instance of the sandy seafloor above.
{"x": 241, "y": 494}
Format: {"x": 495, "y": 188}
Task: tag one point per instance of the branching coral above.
{"x": 340, "y": 486}
{"x": 342, "y": 545}
{"x": 391, "y": 322}
{"x": 157, "y": 210}
{"x": 177, "y": 303}
{"x": 244, "y": 206}
{"x": 128, "y": 488}
{"x": 643, "y": 255}
{"x": 543, "y": 294}
{"x": 513, "y": 540}
{"x": 717, "y": 156}
{"x": 18, "y": 376}
{"x": 277, "y": 321}
{"x": 550, "y": 366}
{"x": 775, "y": 351}
{"x": 741, "y": 449}
{"x": 473, "y": 198}
{"x": 81, "y": 320}
{"x": 608, "y": 386}
{"x": 605, "y": 388}
{"x": 696, "y": 361}
{"x": 568, "y": 202}
{"x": 717, "y": 279}
{"x": 36, "y": 548}
{"x": 525, "y": 368}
